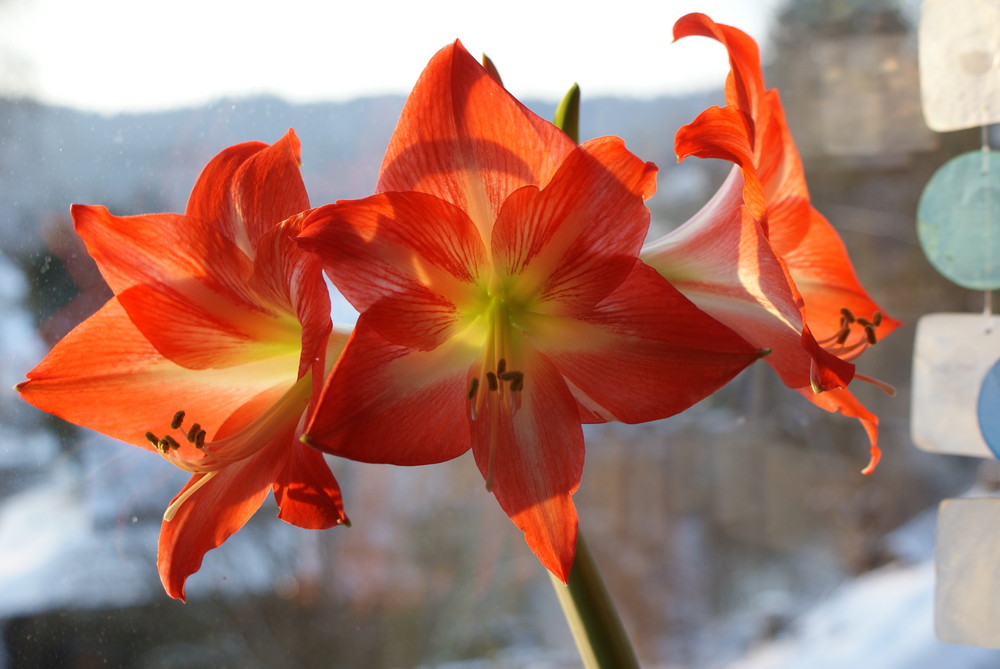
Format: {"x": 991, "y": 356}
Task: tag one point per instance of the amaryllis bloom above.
{"x": 502, "y": 302}
{"x": 210, "y": 352}
{"x": 758, "y": 256}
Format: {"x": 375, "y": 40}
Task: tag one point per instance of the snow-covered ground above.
{"x": 881, "y": 620}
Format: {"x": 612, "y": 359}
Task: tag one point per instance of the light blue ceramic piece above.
{"x": 988, "y": 408}
{"x": 958, "y": 220}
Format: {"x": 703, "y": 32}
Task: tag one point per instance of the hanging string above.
{"x": 984, "y": 134}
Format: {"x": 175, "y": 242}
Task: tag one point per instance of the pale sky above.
{"x": 129, "y": 55}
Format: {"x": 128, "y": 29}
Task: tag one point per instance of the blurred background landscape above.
{"x": 721, "y": 532}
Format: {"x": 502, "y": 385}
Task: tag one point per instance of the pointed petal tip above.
{"x": 173, "y": 590}
{"x": 296, "y": 145}
{"x": 876, "y": 455}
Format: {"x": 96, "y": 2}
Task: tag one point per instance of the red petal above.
{"x": 843, "y": 401}
{"x": 268, "y": 187}
{"x": 405, "y": 260}
{"x": 211, "y": 201}
{"x": 284, "y": 274}
{"x": 220, "y": 507}
{"x": 105, "y": 375}
{"x": 723, "y": 133}
{"x": 160, "y": 248}
{"x": 308, "y": 495}
{"x": 644, "y": 353}
{"x": 201, "y": 329}
{"x": 465, "y": 139}
{"x": 565, "y": 247}
{"x": 387, "y": 403}
{"x": 745, "y": 86}
{"x": 538, "y": 461}
{"x": 248, "y": 188}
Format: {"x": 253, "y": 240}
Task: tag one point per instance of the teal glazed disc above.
{"x": 958, "y": 220}
{"x": 988, "y": 409}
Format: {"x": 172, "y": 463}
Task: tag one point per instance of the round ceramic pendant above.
{"x": 958, "y": 220}
{"x": 988, "y": 408}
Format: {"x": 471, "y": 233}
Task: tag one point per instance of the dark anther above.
{"x": 152, "y": 438}
{"x": 517, "y": 384}
{"x": 511, "y": 375}
{"x": 877, "y": 318}
{"x": 501, "y": 367}
{"x": 865, "y": 323}
{"x": 199, "y": 439}
{"x": 870, "y": 334}
{"x": 846, "y": 313}
{"x": 177, "y": 420}
{"x": 491, "y": 381}
{"x": 193, "y": 432}
{"x": 473, "y": 387}
{"x": 842, "y": 337}
{"x": 170, "y": 441}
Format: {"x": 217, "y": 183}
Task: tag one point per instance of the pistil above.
{"x": 204, "y": 458}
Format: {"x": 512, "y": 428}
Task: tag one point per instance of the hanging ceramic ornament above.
{"x": 958, "y": 220}
{"x": 959, "y": 64}
{"x": 952, "y": 355}
{"x": 988, "y": 409}
{"x": 967, "y": 592}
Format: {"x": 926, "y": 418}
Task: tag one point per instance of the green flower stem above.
{"x": 592, "y": 617}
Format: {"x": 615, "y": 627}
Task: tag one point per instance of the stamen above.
{"x": 491, "y": 381}
{"x": 516, "y": 380}
{"x": 199, "y": 439}
{"x": 847, "y": 319}
{"x": 501, "y": 367}
{"x": 152, "y": 438}
{"x": 170, "y": 442}
{"x": 473, "y": 387}
{"x": 177, "y": 420}
{"x": 192, "y": 433}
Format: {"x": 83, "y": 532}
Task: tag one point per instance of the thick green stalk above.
{"x": 592, "y": 617}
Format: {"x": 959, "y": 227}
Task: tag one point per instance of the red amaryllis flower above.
{"x": 210, "y": 351}
{"x": 758, "y": 256}
{"x": 502, "y": 302}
